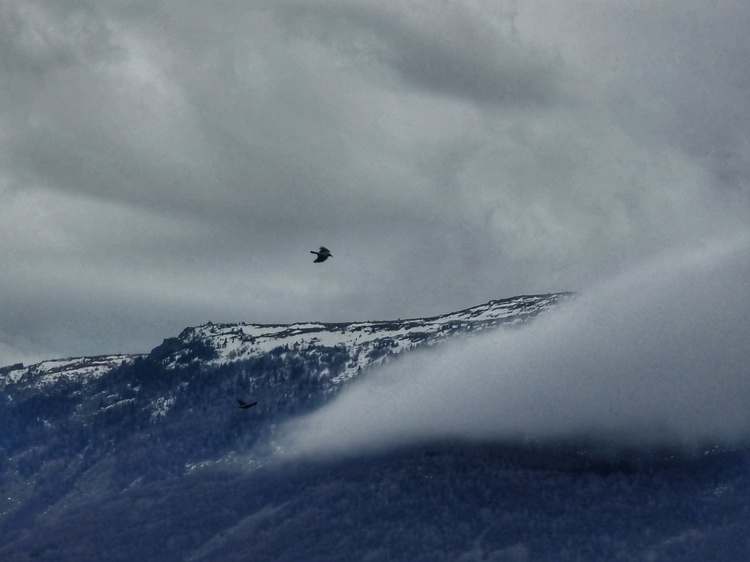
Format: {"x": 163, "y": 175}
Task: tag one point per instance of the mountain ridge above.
{"x": 148, "y": 457}
{"x": 110, "y": 420}
{"x": 232, "y": 342}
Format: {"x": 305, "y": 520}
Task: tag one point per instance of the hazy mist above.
{"x": 657, "y": 356}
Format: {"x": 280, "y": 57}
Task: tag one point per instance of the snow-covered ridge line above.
{"x": 70, "y": 368}
{"x": 367, "y": 343}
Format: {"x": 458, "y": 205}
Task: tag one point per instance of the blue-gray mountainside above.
{"x": 148, "y": 457}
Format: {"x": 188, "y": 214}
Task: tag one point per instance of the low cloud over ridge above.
{"x": 657, "y": 356}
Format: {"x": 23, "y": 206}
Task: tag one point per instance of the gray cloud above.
{"x": 657, "y": 356}
{"x": 456, "y": 50}
{"x": 183, "y": 157}
{"x": 676, "y": 70}
{"x": 42, "y": 37}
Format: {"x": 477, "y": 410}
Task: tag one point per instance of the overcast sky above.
{"x": 167, "y": 163}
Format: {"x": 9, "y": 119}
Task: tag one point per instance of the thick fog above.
{"x": 658, "y": 356}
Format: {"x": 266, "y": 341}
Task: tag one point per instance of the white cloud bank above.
{"x": 657, "y": 356}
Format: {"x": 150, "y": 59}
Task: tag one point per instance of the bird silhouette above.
{"x": 323, "y": 254}
{"x": 244, "y": 405}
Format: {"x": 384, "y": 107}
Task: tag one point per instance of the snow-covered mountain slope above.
{"x": 366, "y": 343}
{"x": 148, "y": 457}
{"x": 74, "y": 369}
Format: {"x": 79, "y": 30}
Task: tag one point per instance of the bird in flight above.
{"x": 244, "y": 405}
{"x": 323, "y": 254}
